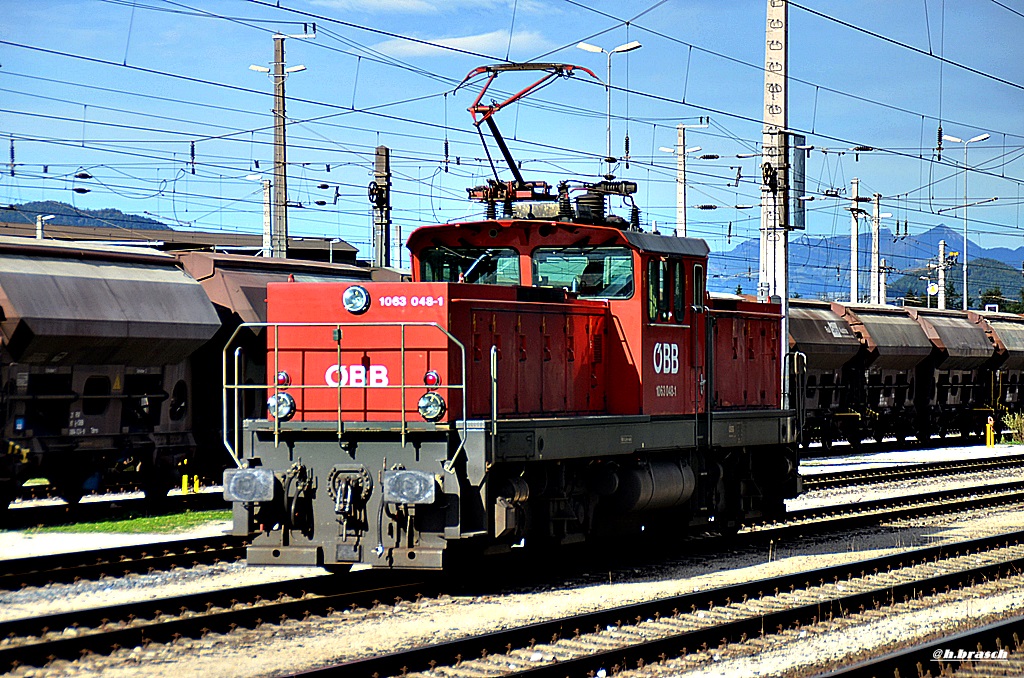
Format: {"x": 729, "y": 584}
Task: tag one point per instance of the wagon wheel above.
{"x": 69, "y": 488}
{"x": 826, "y": 442}
{"x": 156, "y": 481}
{"x": 8, "y": 492}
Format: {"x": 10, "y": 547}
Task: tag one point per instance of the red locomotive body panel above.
{"x": 549, "y": 355}
{"x": 746, "y": 339}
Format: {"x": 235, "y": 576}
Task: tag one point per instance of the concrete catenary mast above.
{"x": 773, "y": 278}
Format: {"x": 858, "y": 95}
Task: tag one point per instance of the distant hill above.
{"x": 69, "y": 215}
{"x": 819, "y": 267}
{"x": 984, "y": 275}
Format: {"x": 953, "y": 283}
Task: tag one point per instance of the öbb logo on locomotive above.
{"x": 357, "y": 376}
{"x": 666, "y": 358}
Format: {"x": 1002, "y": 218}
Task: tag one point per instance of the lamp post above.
{"x": 628, "y": 47}
{"x": 980, "y": 137}
{"x": 927, "y": 290}
{"x": 278, "y": 73}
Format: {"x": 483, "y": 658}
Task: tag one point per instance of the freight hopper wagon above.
{"x": 954, "y": 381}
{"x": 1003, "y": 373}
{"x": 540, "y": 380}
{"x": 822, "y": 344}
{"x": 880, "y": 371}
{"x": 94, "y": 365}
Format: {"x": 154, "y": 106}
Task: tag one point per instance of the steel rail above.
{"x": 164, "y": 630}
{"x": 115, "y": 561}
{"x": 910, "y": 661}
{"x": 106, "y": 629}
{"x": 20, "y": 516}
{"x": 426, "y": 658}
{"x": 821, "y": 481}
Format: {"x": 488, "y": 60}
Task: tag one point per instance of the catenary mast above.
{"x": 773, "y": 278}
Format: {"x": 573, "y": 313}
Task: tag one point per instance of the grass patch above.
{"x": 178, "y": 522}
{"x": 1015, "y": 423}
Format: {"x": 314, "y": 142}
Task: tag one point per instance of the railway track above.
{"x": 118, "y": 561}
{"x": 102, "y": 630}
{"x": 947, "y": 654}
{"x": 40, "y": 640}
{"x": 823, "y": 481}
{"x": 710, "y": 625}
{"x": 25, "y": 515}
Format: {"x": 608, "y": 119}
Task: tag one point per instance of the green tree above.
{"x": 952, "y": 296}
{"x": 992, "y": 295}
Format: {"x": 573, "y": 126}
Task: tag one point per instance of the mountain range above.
{"x": 69, "y": 215}
{"x": 820, "y": 265}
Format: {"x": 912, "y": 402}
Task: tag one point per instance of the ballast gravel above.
{"x": 274, "y": 650}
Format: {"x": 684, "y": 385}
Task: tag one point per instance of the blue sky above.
{"x": 123, "y": 88}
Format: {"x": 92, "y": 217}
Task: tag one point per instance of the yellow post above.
{"x": 184, "y": 484}
{"x": 195, "y": 484}
{"x": 990, "y": 433}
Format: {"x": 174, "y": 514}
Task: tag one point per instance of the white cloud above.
{"x": 495, "y": 42}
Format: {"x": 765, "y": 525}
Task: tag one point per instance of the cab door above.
{"x": 669, "y": 347}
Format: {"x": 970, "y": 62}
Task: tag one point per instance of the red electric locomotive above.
{"x": 552, "y": 377}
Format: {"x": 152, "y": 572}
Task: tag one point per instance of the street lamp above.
{"x": 980, "y": 137}
{"x": 927, "y": 290}
{"x": 628, "y": 47}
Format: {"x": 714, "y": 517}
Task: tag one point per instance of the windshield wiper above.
{"x": 487, "y": 254}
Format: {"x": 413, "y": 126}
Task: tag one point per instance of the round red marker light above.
{"x": 283, "y": 379}
{"x": 432, "y": 379}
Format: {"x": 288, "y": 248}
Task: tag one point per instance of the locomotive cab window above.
{"x": 487, "y": 266}
{"x": 659, "y": 291}
{"x": 592, "y": 272}
{"x": 678, "y": 292}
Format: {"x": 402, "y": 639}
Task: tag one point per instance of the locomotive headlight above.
{"x": 281, "y": 406}
{"x": 431, "y": 406}
{"x": 355, "y": 299}
{"x": 248, "y": 484}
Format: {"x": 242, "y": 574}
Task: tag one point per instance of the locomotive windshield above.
{"x": 488, "y": 266}
{"x": 596, "y": 272}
